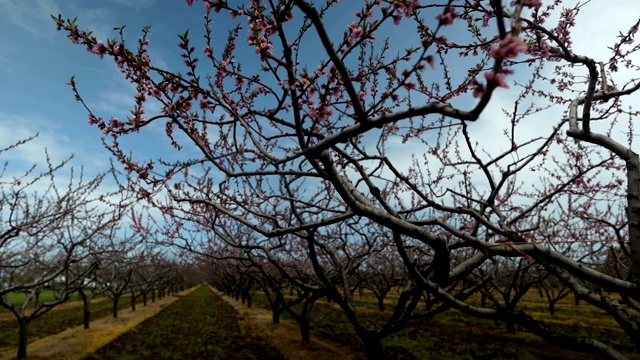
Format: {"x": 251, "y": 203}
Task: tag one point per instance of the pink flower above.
{"x": 289, "y": 16}
{"x": 156, "y": 93}
{"x": 509, "y": 47}
{"x": 208, "y": 51}
{"x": 356, "y": 30}
{"x": 496, "y": 78}
{"x": 478, "y": 91}
{"x": 447, "y": 17}
{"x": 430, "y": 61}
{"x": 409, "y": 85}
{"x": 74, "y": 38}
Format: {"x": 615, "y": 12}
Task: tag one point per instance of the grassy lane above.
{"x": 198, "y": 326}
{"x": 56, "y": 321}
{"x": 46, "y": 295}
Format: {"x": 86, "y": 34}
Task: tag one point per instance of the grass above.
{"x": 453, "y": 335}
{"x": 198, "y": 326}
{"x": 18, "y": 298}
{"x": 56, "y": 321}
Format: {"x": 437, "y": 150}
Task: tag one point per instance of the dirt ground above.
{"x": 286, "y": 335}
{"x": 76, "y": 343}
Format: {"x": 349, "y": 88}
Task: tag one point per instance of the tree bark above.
{"x": 22, "y": 338}
{"x": 374, "y": 349}
{"x": 86, "y": 311}
{"x": 115, "y": 306}
{"x": 381, "y": 303}
{"x": 633, "y": 212}
{"x": 305, "y": 329}
{"x": 86, "y": 314}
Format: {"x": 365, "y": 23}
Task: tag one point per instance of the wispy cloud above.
{"x": 137, "y": 4}
{"x": 34, "y": 16}
{"x": 53, "y": 137}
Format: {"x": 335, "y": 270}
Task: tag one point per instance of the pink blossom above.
{"x": 496, "y": 78}
{"x": 478, "y": 91}
{"x": 289, "y": 16}
{"x": 356, "y": 30}
{"x": 509, "y": 47}
{"x": 208, "y": 51}
{"x": 486, "y": 17}
{"x": 409, "y": 85}
{"x": 74, "y": 39}
{"x": 447, "y": 17}
{"x": 430, "y": 61}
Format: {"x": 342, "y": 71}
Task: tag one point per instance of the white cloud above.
{"x": 34, "y": 16}
{"x": 137, "y": 4}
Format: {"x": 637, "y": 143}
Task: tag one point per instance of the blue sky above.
{"x": 36, "y": 62}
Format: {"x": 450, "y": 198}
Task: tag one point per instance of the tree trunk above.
{"x": 133, "y": 301}
{"x": 86, "y": 311}
{"x": 153, "y": 296}
{"x": 37, "y": 302}
{"x": 115, "y": 306}
{"x": 552, "y": 308}
{"x": 275, "y": 315}
{"x": 374, "y": 349}
{"x": 633, "y": 212}
{"x": 305, "y": 330}
{"x": 380, "y": 303}
{"x": 22, "y": 338}
{"x": 144, "y": 299}
{"x": 86, "y": 314}
{"x": 249, "y": 300}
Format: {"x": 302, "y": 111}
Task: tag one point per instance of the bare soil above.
{"x": 285, "y": 336}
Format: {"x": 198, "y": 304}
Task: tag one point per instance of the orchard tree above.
{"x": 300, "y": 129}
{"x": 48, "y": 226}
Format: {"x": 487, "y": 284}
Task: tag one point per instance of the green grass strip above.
{"x": 199, "y": 326}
